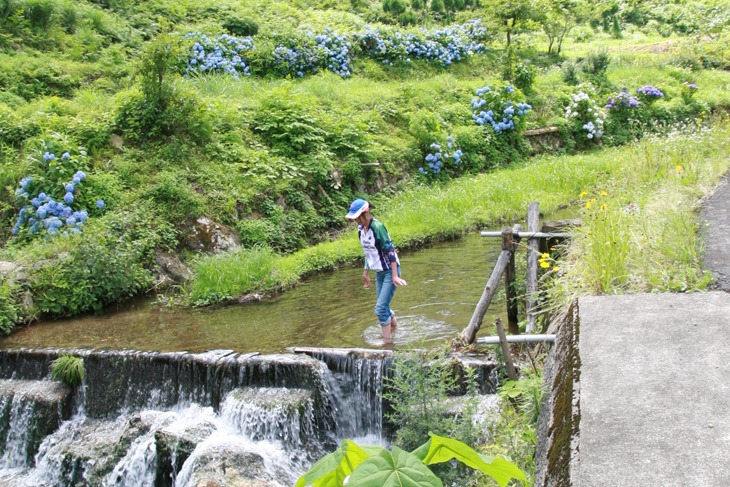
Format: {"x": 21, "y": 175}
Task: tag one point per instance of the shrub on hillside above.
{"x": 108, "y": 263}
{"x": 594, "y": 67}
{"x": 585, "y": 117}
{"x": 159, "y": 110}
{"x": 174, "y": 198}
{"x": 241, "y": 26}
{"x": 15, "y": 130}
{"x": 10, "y": 309}
{"x": 290, "y": 127}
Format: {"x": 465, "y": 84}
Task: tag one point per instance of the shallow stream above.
{"x": 333, "y": 309}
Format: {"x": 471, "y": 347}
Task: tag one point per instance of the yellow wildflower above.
{"x": 588, "y": 204}
{"x": 583, "y": 194}
{"x": 603, "y": 193}
{"x": 556, "y": 268}
{"x": 603, "y": 207}
{"x": 544, "y": 264}
{"x": 545, "y": 255}
{"x": 679, "y": 168}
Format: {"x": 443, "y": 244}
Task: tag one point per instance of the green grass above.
{"x": 644, "y": 234}
{"x": 68, "y": 369}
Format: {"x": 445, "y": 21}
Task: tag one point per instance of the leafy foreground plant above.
{"x": 370, "y": 466}
{"x": 68, "y": 369}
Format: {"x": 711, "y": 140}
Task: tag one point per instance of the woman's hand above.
{"x": 399, "y": 282}
{"x": 366, "y": 278}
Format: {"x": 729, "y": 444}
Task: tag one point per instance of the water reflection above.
{"x": 445, "y": 282}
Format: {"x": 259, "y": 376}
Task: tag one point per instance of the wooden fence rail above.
{"x": 506, "y": 265}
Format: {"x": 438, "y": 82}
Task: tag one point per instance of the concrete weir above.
{"x": 647, "y": 398}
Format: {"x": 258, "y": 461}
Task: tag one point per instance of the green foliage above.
{"x": 39, "y": 13}
{"x": 160, "y": 110}
{"x": 377, "y": 467}
{"x": 526, "y": 394}
{"x": 289, "y": 127}
{"x": 595, "y": 65}
{"x": 68, "y": 369}
{"x": 242, "y": 271}
{"x": 33, "y": 78}
{"x": 173, "y": 197}
{"x": 417, "y": 392}
{"x": 616, "y": 29}
{"x": 525, "y": 73}
{"x": 180, "y": 116}
{"x": 15, "y": 130}
{"x": 241, "y": 26}
{"x": 109, "y": 262}
{"x": 408, "y": 18}
{"x": 396, "y": 7}
{"x": 10, "y": 310}
{"x": 570, "y": 74}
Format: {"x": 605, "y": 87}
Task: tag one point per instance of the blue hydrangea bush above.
{"x": 437, "y": 158}
{"x": 501, "y": 108}
{"x": 622, "y": 101}
{"x": 442, "y": 46}
{"x": 224, "y": 54}
{"x": 49, "y": 201}
{"x": 305, "y": 52}
{"x": 649, "y": 94}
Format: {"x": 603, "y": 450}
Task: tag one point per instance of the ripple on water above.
{"x": 412, "y": 329}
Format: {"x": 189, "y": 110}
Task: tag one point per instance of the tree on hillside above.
{"x": 514, "y": 16}
{"x": 560, "y": 16}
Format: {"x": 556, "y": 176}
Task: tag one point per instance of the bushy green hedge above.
{"x": 109, "y": 262}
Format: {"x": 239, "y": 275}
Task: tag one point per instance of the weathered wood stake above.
{"x": 469, "y": 333}
{"x": 533, "y": 251}
{"x": 511, "y": 372}
{"x": 509, "y": 280}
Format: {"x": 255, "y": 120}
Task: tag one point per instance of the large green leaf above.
{"x": 331, "y": 470}
{"x": 443, "y": 449}
{"x": 393, "y": 469}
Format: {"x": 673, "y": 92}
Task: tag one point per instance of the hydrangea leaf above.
{"x": 393, "y": 469}
{"x": 331, "y": 470}
{"x": 441, "y": 449}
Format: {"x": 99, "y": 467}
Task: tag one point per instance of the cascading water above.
{"x": 356, "y": 385}
{"x": 16, "y": 431}
{"x": 178, "y": 419}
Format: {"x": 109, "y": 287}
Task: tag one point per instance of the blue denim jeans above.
{"x": 384, "y": 290}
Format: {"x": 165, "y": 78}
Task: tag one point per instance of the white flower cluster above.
{"x": 583, "y": 108}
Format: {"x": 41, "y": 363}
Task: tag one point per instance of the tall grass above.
{"x": 642, "y": 232}
{"x": 649, "y": 176}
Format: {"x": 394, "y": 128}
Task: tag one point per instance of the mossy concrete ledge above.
{"x": 558, "y": 426}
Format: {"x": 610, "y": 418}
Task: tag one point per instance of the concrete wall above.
{"x": 557, "y": 433}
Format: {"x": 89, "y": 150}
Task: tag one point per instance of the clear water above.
{"x": 333, "y": 309}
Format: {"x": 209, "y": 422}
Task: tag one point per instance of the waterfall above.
{"x": 179, "y": 419}
{"x": 356, "y": 386}
{"x": 272, "y": 414}
{"x": 16, "y": 432}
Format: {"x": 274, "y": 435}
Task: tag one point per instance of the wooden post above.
{"x": 468, "y": 335}
{"x": 509, "y": 280}
{"x": 533, "y": 251}
{"x": 511, "y": 372}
